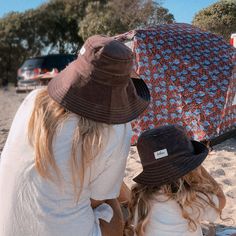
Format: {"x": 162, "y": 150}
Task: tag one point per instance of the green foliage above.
{"x": 57, "y": 30}
{"x": 119, "y": 16}
{"x": 99, "y": 20}
{"x": 11, "y": 45}
{"x": 219, "y": 18}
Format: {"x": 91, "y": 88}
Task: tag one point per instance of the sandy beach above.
{"x": 221, "y": 163}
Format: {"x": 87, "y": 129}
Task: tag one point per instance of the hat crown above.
{"x": 102, "y": 45}
{"x": 110, "y": 58}
{"x": 158, "y": 145}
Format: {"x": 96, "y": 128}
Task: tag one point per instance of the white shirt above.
{"x": 166, "y": 218}
{"x": 31, "y": 205}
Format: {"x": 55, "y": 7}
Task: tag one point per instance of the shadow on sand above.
{"x": 228, "y": 145}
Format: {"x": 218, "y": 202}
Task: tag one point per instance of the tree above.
{"x": 58, "y": 25}
{"x": 118, "y": 16}
{"x": 11, "y": 46}
{"x": 61, "y": 23}
{"x": 219, "y": 18}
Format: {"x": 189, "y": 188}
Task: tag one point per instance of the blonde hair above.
{"x": 187, "y": 191}
{"x": 46, "y": 119}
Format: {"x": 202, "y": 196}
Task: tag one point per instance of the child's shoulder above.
{"x": 202, "y": 204}
{"x": 206, "y": 199}
{"x": 163, "y": 201}
{"x": 204, "y": 207}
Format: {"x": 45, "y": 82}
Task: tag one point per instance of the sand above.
{"x": 9, "y": 103}
{"x": 221, "y": 162}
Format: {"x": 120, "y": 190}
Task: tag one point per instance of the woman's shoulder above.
{"x": 30, "y": 98}
{"x": 26, "y": 106}
{"x": 120, "y": 130}
{"x": 117, "y": 136}
{"x": 120, "y": 127}
{"x": 34, "y": 93}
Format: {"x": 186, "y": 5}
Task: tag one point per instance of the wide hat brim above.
{"x": 172, "y": 169}
{"x": 122, "y": 103}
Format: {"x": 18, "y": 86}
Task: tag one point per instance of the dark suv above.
{"x": 37, "y": 71}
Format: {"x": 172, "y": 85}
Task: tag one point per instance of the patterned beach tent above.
{"x": 191, "y": 75}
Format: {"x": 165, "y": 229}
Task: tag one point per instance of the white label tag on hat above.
{"x": 82, "y": 50}
{"x": 161, "y": 153}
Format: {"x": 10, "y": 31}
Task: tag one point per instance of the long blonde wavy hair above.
{"x": 187, "y": 191}
{"x": 46, "y": 119}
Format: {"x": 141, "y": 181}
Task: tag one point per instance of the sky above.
{"x": 183, "y": 10}
{"x": 18, "y": 5}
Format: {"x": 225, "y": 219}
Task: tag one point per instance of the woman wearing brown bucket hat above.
{"x": 174, "y": 193}
{"x": 63, "y": 162}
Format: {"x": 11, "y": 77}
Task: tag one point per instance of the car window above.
{"x": 59, "y": 62}
{"x": 49, "y": 62}
{"x": 33, "y": 63}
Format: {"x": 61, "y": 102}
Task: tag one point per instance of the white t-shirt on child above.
{"x": 166, "y": 218}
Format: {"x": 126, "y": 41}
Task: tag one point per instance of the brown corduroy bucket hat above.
{"x": 167, "y": 154}
{"x": 97, "y": 85}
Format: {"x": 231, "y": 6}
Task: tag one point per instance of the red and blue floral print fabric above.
{"x": 191, "y": 75}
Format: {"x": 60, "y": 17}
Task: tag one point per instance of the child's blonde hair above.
{"x": 187, "y": 191}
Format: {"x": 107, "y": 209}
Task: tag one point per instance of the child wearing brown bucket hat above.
{"x": 174, "y": 193}
{"x": 63, "y": 163}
